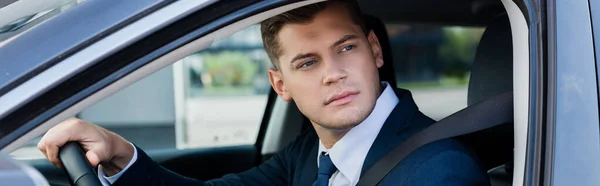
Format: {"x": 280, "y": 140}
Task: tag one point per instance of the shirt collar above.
{"x": 349, "y": 153}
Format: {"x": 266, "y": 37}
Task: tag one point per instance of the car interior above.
{"x": 491, "y": 73}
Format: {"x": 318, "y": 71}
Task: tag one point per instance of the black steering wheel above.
{"x": 77, "y": 166}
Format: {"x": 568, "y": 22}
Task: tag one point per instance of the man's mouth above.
{"x": 342, "y": 98}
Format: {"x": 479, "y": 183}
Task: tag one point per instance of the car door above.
{"x": 572, "y": 131}
{"x": 61, "y": 80}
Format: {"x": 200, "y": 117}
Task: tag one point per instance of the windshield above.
{"x": 17, "y": 16}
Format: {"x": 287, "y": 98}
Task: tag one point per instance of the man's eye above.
{"x": 347, "y": 48}
{"x": 309, "y": 63}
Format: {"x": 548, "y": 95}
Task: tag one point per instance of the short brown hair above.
{"x": 271, "y": 27}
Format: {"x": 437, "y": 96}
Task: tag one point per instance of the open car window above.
{"x": 215, "y": 97}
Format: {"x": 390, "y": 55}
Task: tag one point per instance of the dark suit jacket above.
{"x": 445, "y": 162}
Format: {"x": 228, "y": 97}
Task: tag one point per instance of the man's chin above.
{"x": 345, "y": 118}
{"x": 345, "y": 121}
{"x": 340, "y": 126}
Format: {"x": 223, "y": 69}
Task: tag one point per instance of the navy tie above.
{"x": 326, "y": 169}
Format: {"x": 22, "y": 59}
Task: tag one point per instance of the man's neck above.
{"x": 327, "y": 136}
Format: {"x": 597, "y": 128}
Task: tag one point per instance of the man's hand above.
{"x": 101, "y": 146}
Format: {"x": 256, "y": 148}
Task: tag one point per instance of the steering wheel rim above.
{"x": 77, "y": 166}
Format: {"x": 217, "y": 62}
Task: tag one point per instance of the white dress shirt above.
{"x": 348, "y": 154}
{"x": 109, "y": 180}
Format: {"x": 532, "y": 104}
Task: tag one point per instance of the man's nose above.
{"x": 334, "y": 72}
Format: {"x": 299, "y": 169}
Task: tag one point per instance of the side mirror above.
{"x": 13, "y": 172}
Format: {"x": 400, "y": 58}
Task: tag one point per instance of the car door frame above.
{"x": 549, "y": 62}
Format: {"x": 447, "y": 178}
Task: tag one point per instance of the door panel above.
{"x": 203, "y": 164}
{"x": 206, "y": 164}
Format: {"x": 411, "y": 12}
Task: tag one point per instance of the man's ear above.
{"x": 276, "y": 79}
{"x": 375, "y": 48}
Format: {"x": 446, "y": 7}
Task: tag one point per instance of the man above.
{"x": 327, "y": 62}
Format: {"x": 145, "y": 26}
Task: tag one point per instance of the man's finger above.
{"x": 41, "y": 147}
{"x": 52, "y": 151}
{"x": 92, "y": 158}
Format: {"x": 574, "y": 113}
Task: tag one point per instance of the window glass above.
{"x": 433, "y": 62}
{"x": 225, "y": 92}
{"x": 215, "y": 97}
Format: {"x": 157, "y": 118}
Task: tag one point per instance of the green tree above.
{"x": 458, "y": 50}
{"x": 230, "y": 68}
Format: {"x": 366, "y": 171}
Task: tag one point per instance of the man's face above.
{"x": 329, "y": 68}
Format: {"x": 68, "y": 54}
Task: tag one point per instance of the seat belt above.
{"x": 482, "y": 115}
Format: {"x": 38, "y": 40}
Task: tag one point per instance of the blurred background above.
{"x": 217, "y": 96}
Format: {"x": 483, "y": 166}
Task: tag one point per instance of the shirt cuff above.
{"x": 109, "y": 180}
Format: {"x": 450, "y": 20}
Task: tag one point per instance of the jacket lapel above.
{"x": 392, "y": 132}
{"x": 309, "y": 171}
